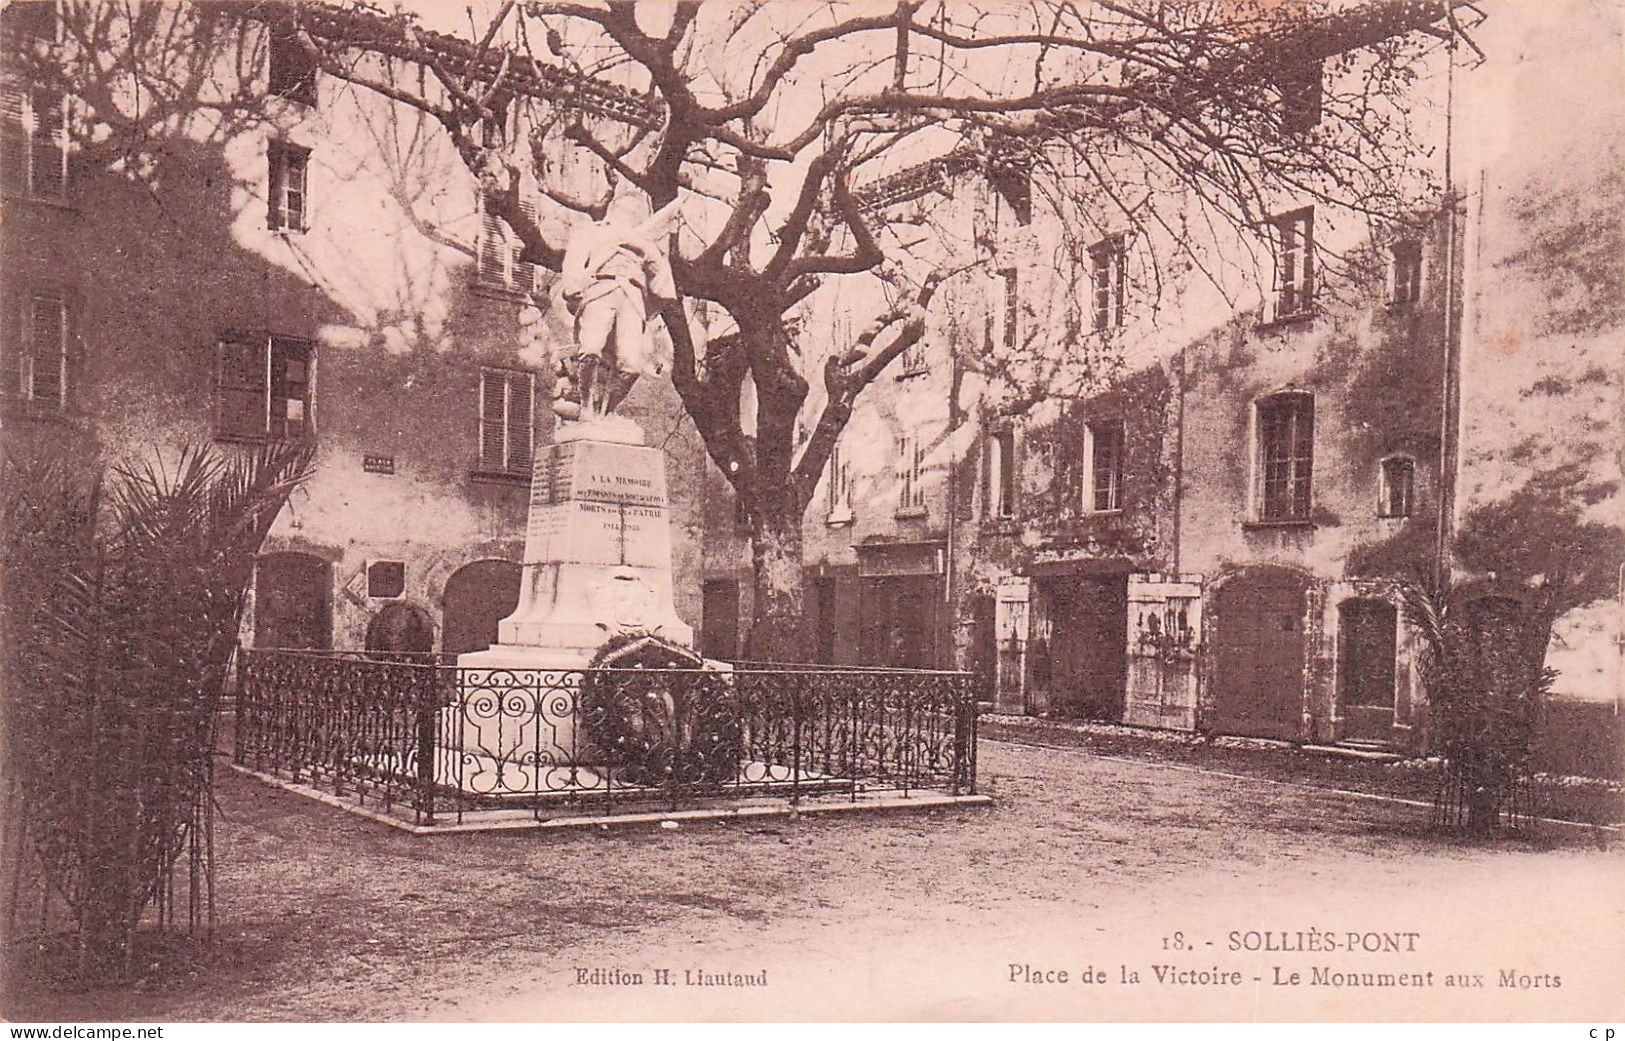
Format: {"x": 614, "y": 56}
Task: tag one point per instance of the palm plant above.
{"x": 1482, "y": 665}
{"x": 121, "y": 610}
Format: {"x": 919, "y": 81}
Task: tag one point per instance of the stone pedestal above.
{"x": 597, "y": 563}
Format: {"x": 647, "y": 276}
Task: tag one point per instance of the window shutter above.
{"x": 14, "y": 141}
{"x": 494, "y": 253}
{"x": 521, "y": 395}
{"x": 1306, "y": 259}
{"x": 1288, "y": 282}
{"x": 241, "y": 390}
{"x": 295, "y": 169}
{"x": 1303, "y": 450}
{"x": 902, "y": 471}
{"x": 14, "y": 334}
{"x": 990, "y": 450}
{"x": 524, "y": 274}
{"x": 919, "y": 473}
{"x": 275, "y": 184}
{"x": 50, "y": 151}
{"x": 48, "y": 335}
{"x": 493, "y": 419}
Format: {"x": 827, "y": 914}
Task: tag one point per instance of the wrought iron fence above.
{"x": 423, "y": 738}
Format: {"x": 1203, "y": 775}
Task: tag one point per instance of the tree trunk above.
{"x": 1483, "y": 811}
{"x": 777, "y": 632}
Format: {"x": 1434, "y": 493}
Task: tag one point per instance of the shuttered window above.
{"x": 264, "y": 389}
{"x": 1294, "y": 263}
{"x": 1396, "y": 488}
{"x": 37, "y": 355}
{"x": 1405, "y": 272}
{"x": 498, "y": 265}
{"x": 911, "y": 486}
{"x": 1105, "y": 446}
{"x": 34, "y": 143}
{"x": 287, "y": 194}
{"x": 507, "y": 424}
{"x": 839, "y": 479}
{"x": 292, "y": 71}
{"x": 1108, "y": 279}
{"x": 1300, "y": 79}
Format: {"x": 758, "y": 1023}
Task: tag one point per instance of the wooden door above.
{"x": 293, "y": 602}
{"x": 719, "y": 619}
{"x": 1258, "y": 655}
{"x": 914, "y": 624}
{"x": 823, "y": 589}
{"x": 1367, "y": 643}
{"x": 1088, "y": 623}
{"x": 899, "y": 621}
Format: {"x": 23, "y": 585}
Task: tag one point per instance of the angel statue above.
{"x": 615, "y": 271}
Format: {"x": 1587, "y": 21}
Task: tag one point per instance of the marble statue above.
{"x": 615, "y": 273}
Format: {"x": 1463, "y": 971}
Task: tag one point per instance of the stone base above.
{"x": 597, "y": 563}
{"x": 517, "y": 702}
{"x": 576, "y": 607}
{"x": 519, "y": 705}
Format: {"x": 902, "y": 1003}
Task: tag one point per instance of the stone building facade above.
{"x": 318, "y": 268}
{"x": 1216, "y": 535}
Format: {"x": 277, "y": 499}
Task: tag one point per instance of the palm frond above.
{"x": 115, "y": 664}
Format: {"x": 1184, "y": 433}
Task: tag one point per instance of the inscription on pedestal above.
{"x": 600, "y": 473}
{"x": 596, "y": 503}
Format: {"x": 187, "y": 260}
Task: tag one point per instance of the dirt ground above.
{"x": 1084, "y": 862}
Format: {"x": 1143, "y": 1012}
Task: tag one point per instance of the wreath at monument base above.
{"x": 658, "y": 728}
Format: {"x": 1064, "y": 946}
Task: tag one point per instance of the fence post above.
{"x": 854, "y": 721}
{"x": 969, "y": 755}
{"x": 795, "y": 736}
{"x": 428, "y": 712}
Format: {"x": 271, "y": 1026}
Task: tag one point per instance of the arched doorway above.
{"x": 1367, "y": 643}
{"x": 478, "y": 596}
{"x": 293, "y": 604}
{"x": 400, "y": 627}
{"x": 1258, "y": 653}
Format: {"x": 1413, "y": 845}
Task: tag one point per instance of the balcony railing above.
{"x": 420, "y": 738}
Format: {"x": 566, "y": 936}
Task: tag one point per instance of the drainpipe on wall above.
{"x": 948, "y": 575}
{"x": 1450, "y": 384}
{"x": 1179, "y": 459}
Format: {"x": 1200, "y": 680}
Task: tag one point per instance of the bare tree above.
{"x": 788, "y": 130}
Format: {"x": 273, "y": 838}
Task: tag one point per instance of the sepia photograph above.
{"x": 801, "y": 511}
